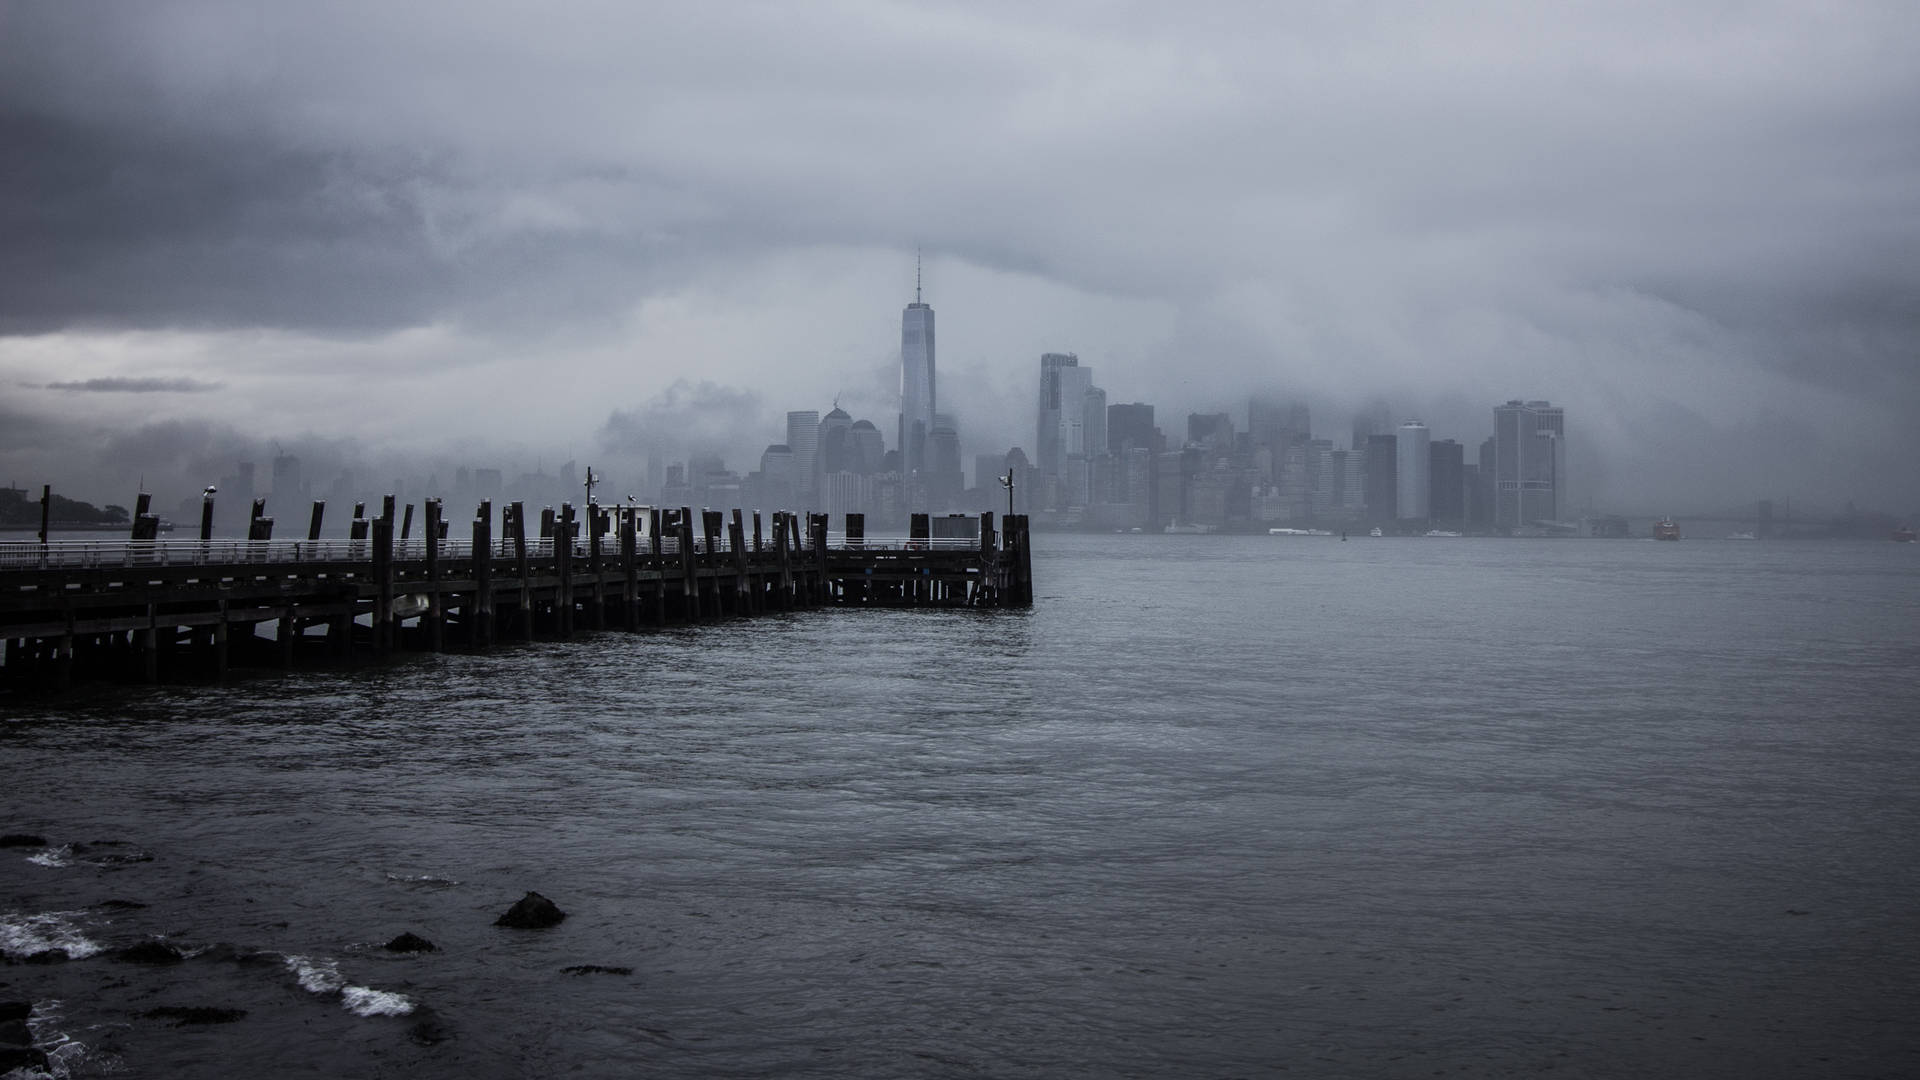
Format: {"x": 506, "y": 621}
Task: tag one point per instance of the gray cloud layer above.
{"x": 1695, "y": 223}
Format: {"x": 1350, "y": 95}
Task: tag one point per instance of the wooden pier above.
{"x": 150, "y": 610}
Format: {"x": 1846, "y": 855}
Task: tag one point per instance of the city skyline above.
{"x": 1702, "y": 238}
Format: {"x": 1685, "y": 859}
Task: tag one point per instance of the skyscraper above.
{"x": 1412, "y": 480}
{"x": 916, "y": 381}
{"x": 1130, "y": 425}
{"x": 1529, "y": 463}
{"x": 1063, "y": 388}
{"x": 1380, "y": 495}
{"x": 803, "y": 438}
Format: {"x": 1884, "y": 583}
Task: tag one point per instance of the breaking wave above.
{"x": 323, "y": 977}
{"x": 22, "y": 936}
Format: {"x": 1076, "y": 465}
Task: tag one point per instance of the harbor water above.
{"x": 1215, "y": 806}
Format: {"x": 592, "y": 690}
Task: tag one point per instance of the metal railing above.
{"x": 87, "y": 554}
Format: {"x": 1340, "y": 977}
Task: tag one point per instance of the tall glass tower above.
{"x": 1529, "y": 463}
{"x": 916, "y": 381}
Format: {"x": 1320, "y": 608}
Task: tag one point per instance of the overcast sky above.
{"x": 511, "y": 235}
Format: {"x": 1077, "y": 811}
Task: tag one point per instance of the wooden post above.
{"x": 818, "y": 525}
{"x": 654, "y": 525}
{"x": 630, "y": 570}
{"x": 710, "y": 553}
{"x": 480, "y": 617}
{"x": 786, "y": 564}
{"x": 141, "y": 504}
{"x": 522, "y": 567}
{"x": 563, "y": 564}
{"x": 150, "y": 645}
{"x": 597, "y": 618}
{"x": 383, "y": 586}
{"x": 219, "y": 643}
{"x": 313, "y": 523}
{"x": 862, "y": 590}
{"x": 206, "y": 519}
{"x": 436, "y": 611}
{"x": 286, "y": 633}
{"x": 737, "y": 540}
{"x": 46, "y": 512}
{"x": 406, "y": 523}
{"x": 689, "y": 567}
{"x": 757, "y": 547}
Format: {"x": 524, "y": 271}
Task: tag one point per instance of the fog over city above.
{"x": 414, "y": 237}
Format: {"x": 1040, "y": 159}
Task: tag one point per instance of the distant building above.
{"x": 1411, "y": 477}
{"x": 868, "y": 448}
{"x": 803, "y": 439}
{"x": 835, "y": 442}
{"x": 1447, "y": 482}
{"x": 1214, "y": 431}
{"x": 1382, "y": 494}
{"x": 775, "y": 487}
{"x": 1529, "y": 464}
{"x": 1062, "y": 381}
{"x": 1276, "y": 424}
{"x": 917, "y": 389}
{"x": 1130, "y": 425}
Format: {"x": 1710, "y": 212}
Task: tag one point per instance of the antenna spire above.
{"x": 916, "y": 273}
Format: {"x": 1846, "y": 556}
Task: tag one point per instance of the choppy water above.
{"x": 1214, "y": 807}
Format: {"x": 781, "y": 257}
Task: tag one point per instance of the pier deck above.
{"x": 164, "y": 610}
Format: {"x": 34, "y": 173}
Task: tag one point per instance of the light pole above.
{"x": 1007, "y": 482}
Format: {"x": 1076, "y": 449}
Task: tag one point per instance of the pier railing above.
{"x": 106, "y": 554}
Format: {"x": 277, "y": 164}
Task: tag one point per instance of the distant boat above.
{"x": 1376, "y": 531}
{"x": 1299, "y": 532}
{"x": 1903, "y": 534}
{"x": 1741, "y": 536}
{"x": 1188, "y": 528}
{"x": 1665, "y": 529}
{"x": 1443, "y": 532}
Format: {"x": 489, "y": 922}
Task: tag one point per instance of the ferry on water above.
{"x": 1903, "y": 534}
{"x": 1665, "y": 529}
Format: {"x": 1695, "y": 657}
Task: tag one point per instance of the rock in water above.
{"x": 14, "y": 839}
{"x": 22, "y": 1057}
{"x": 15, "y": 1010}
{"x": 411, "y": 942}
{"x": 149, "y": 952}
{"x": 182, "y": 1015}
{"x": 532, "y": 912}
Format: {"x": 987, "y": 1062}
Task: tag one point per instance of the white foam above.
{"x": 316, "y": 976}
{"x": 23, "y": 935}
{"x": 423, "y": 879}
{"x": 323, "y": 977}
{"x": 54, "y": 856}
{"x": 366, "y": 1001}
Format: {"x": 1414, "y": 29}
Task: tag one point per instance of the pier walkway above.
{"x": 151, "y": 610}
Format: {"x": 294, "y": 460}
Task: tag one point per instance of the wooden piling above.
{"x": 480, "y": 615}
{"x": 563, "y": 566}
{"x": 436, "y": 615}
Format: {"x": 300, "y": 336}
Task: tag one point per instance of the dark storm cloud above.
{"x": 137, "y": 386}
{"x": 1627, "y": 206}
{"x": 699, "y": 417}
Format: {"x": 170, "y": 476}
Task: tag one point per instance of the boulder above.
{"x": 15, "y": 839}
{"x": 15, "y": 1033}
{"x": 22, "y": 1057}
{"x": 15, "y": 1010}
{"x": 411, "y": 942}
{"x": 182, "y": 1015}
{"x": 532, "y": 912}
{"x": 149, "y": 952}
